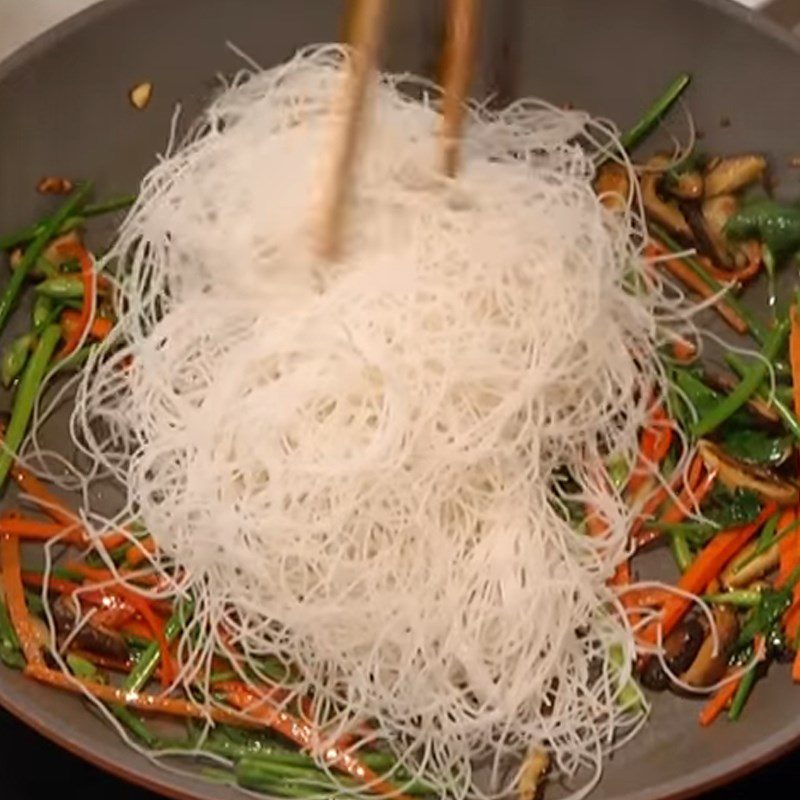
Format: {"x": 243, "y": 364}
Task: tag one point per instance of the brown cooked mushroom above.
{"x": 612, "y": 185}
{"x": 664, "y": 212}
{"x": 731, "y": 174}
{"x": 92, "y": 637}
{"x": 748, "y": 566}
{"x": 709, "y": 242}
{"x": 712, "y": 658}
{"x": 531, "y": 774}
{"x": 687, "y": 186}
{"x": 736, "y": 475}
{"x": 57, "y": 252}
{"x": 680, "y": 650}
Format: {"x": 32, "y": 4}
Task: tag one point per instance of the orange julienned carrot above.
{"x": 47, "y": 501}
{"x": 137, "y": 553}
{"x": 654, "y": 444}
{"x": 35, "y": 529}
{"x": 71, "y": 325}
{"x": 11, "y": 569}
{"x": 709, "y": 563}
{"x": 683, "y": 350}
{"x": 689, "y": 278}
{"x": 141, "y": 701}
{"x": 719, "y": 702}
{"x": 796, "y": 668}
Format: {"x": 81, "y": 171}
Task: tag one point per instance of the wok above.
{"x": 65, "y": 111}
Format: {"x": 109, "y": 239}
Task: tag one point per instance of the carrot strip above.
{"x": 719, "y": 702}
{"x": 306, "y": 737}
{"x": 654, "y": 444}
{"x": 708, "y": 564}
{"x": 683, "y": 350}
{"x": 686, "y": 276}
{"x": 71, "y": 326}
{"x": 137, "y": 553}
{"x": 57, "y": 510}
{"x": 15, "y": 598}
{"x": 46, "y": 500}
{"x": 796, "y": 668}
{"x": 141, "y": 701}
{"x": 693, "y": 493}
{"x": 25, "y": 528}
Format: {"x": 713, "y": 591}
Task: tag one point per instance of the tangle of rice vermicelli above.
{"x": 365, "y": 468}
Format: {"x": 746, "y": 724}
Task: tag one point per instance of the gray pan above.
{"x": 64, "y": 110}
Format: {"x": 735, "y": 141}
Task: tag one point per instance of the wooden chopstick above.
{"x": 459, "y": 54}
{"x": 366, "y": 25}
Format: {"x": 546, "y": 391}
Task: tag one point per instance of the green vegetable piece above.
{"x": 740, "y": 367}
{"x": 701, "y": 397}
{"x": 680, "y": 550}
{"x": 767, "y": 614}
{"x": 776, "y": 225}
{"x": 756, "y": 446}
{"x": 32, "y": 254}
{"x": 730, "y": 509}
{"x": 742, "y": 693}
{"x": 743, "y": 598}
{"x": 25, "y": 397}
{"x": 713, "y": 418}
{"x": 42, "y": 310}
{"x": 81, "y": 668}
{"x": 68, "y": 224}
{"x": 14, "y": 358}
{"x": 635, "y": 135}
{"x": 62, "y": 287}
{"x": 629, "y": 696}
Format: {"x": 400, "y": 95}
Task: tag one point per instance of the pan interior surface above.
{"x": 66, "y": 112}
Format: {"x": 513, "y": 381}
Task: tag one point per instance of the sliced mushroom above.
{"x": 712, "y": 658}
{"x": 731, "y": 174}
{"x": 748, "y": 566}
{"x": 680, "y": 650}
{"x": 736, "y": 475}
{"x": 531, "y": 774}
{"x": 613, "y": 185}
{"x": 665, "y": 213}
{"x": 687, "y": 186}
{"x": 709, "y": 243}
{"x": 94, "y": 638}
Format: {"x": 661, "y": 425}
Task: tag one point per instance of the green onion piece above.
{"x": 35, "y": 250}
{"x": 68, "y": 224}
{"x": 680, "y": 550}
{"x": 747, "y": 386}
{"x": 740, "y": 367}
{"x": 742, "y": 693}
{"x": 742, "y": 598}
{"x": 61, "y": 287}
{"x": 635, "y": 135}
{"x": 25, "y": 397}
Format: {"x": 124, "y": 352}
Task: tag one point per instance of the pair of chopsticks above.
{"x": 366, "y": 28}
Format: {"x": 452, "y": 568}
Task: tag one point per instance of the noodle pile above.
{"x": 366, "y": 468}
